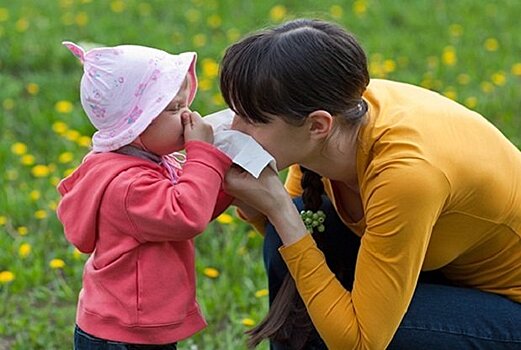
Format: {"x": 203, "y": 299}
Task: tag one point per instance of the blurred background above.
{"x": 467, "y": 50}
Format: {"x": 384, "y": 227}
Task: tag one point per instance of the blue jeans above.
{"x": 440, "y": 316}
{"x": 85, "y": 341}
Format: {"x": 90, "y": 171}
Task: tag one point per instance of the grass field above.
{"x": 468, "y": 50}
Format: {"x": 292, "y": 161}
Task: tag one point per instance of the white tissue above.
{"x": 242, "y": 149}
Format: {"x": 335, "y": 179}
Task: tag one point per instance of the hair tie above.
{"x": 313, "y": 219}
{"x": 360, "y": 109}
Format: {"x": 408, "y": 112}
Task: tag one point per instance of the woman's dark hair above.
{"x": 293, "y": 70}
{"x": 289, "y": 72}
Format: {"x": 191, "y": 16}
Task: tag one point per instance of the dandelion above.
{"x": 199, "y": 40}
{"x": 83, "y": 141}
{"x": 491, "y": 44}
{"x": 214, "y": 21}
{"x": 359, "y": 7}
{"x": 389, "y": 66}
{"x": 27, "y": 159}
{"x": 117, "y": 6}
{"x": 225, "y": 219}
{"x": 277, "y": 13}
{"x": 59, "y": 127}
{"x": 499, "y": 78}
{"x": 72, "y": 135}
{"x": 76, "y": 254}
{"x": 261, "y": 293}
{"x": 40, "y": 170}
{"x": 8, "y": 104}
{"x": 67, "y": 172}
{"x": 65, "y": 157}
{"x": 217, "y": 99}
{"x": 252, "y": 234}
{"x": 336, "y": 11}
{"x": 210, "y": 68}
{"x": 32, "y": 88}
{"x": 233, "y": 34}
{"x": 516, "y": 69}
{"x": 471, "y": 102}
{"x": 6, "y": 277}
{"x": 449, "y": 56}
{"x": 211, "y": 272}
{"x": 40, "y": 214}
{"x": 82, "y": 19}
{"x": 4, "y": 14}
{"x": 450, "y": 93}
{"x": 63, "y": 106}
{"x": 24, "y": 250}
{"x": 19, "y": 148}
{"x": 21, "y": 25}
{"x": 248, "y": 322}
{"x": 3, "y": 220}
{"x": 22, "y": 230}
{"x": 204, "y": 84}
{"x": 52, "y": 205}
{"x": 34, "y": 195}
{"x": 56, "y": 263}
{"x": 455, "y": 30}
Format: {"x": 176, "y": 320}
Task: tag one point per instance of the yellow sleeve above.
{"x": 258, "y": 222}
{"x": 292, "y": 183}
{"x": 402, "y": 203}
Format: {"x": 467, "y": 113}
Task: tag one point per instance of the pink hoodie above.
{"x": 139, "y": 282}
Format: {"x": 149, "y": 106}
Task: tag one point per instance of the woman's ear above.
{"x": 320, "y": 124}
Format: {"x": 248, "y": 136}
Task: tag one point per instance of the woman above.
{"x": 427, "y": 185}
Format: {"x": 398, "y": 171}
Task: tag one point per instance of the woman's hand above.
{"x": 268, "y": 196}
{"x": 195, "y": 128}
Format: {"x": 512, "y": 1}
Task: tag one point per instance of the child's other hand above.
{"x": 195, "y": 128}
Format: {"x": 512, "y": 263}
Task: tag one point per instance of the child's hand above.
{"x": 195, "y": 128}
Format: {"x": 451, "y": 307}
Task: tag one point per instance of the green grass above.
{"x": 469, "y": 50}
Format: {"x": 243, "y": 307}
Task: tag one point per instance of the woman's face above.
{"x": 288, "y": 144}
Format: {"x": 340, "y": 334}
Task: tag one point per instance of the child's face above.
{"x": 165, "y": 134}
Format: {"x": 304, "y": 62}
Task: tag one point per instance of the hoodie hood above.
{"x": 83, "y": 192}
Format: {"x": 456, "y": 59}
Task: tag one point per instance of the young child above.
{"x": 132, "y": 206}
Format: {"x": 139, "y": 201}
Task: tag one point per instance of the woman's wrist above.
{"x": 288, "y": 223}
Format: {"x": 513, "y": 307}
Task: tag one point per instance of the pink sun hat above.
{"x": 124, "y": 88}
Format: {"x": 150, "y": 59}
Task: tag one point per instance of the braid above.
{"x": 313, "y": 189}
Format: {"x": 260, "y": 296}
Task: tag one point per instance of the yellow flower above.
{"x": 8, "y": 104}
{"x": 487, "y": 87}
{"x": 72, "y": 135}
{"x": 52, "y": 205}
{"x": 471, "y": 102}
{"x": 82, "y": 19}
{"x": 214, "y": 21}
{"x": 248, "y": 322}
{"x": 21, "y": 25}
{"x": 336, "y": 11}
{"x": 32, "y": 88}
{"x": 22, "y": 230}
{"x": 218, "y": 99}
{"x": 3, "y": 220}
{"x": 449, "y": 57}
{"x": 252, "y": 234}
{"x": 491, "y": 44}
{"x": 233, "y": 34}
{"x": 499, "y": 78}
{"x": 359, "y": 7}
{"x": 450, "y": 93}
{"x": 210, "y": 68}
{"x": 516, "y": 69}
{"x": 4, "y": 14}
{"x": 63, "y": 106}
{"x": 24, "y": 250}
{"x": 463, "y": 79}
{"x": 117, "y": 6}
{"x": 6, "y": 276}
{"x": 67, "y": 172}
{"x": 19, "y": 148}
{"x": 277, "y": 13}
{"x": 455, "y": 30}
{"x": 40, "y": 214}
{"x": 204, "y": 84}
{"x": 199, "y": 40}
{"x": 261, "y": 293}
{"x": 83, "y": 141}
{"x": 35, "y": 195}
{"x": 225, "y": 219}
{"x": 27, "y": 159}
{"x": 389, "y": 66}
{"x": 211, "y": 272}
{"x": 59, "y": 127}
{"x": 57, "y": 263}
{"x": 76, "y": 254}
{"x": 65, "y": 157}
{"x": 40, "y": 170}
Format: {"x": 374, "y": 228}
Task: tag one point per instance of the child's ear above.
{"x": 320, "y": 124}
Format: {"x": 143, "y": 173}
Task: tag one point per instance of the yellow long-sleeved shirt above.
{"x": 441, "y": 189}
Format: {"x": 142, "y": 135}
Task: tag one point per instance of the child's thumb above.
{"x": 186, "y": 119}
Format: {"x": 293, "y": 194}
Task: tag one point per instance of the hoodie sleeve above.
{"x": 160, "y": 211}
